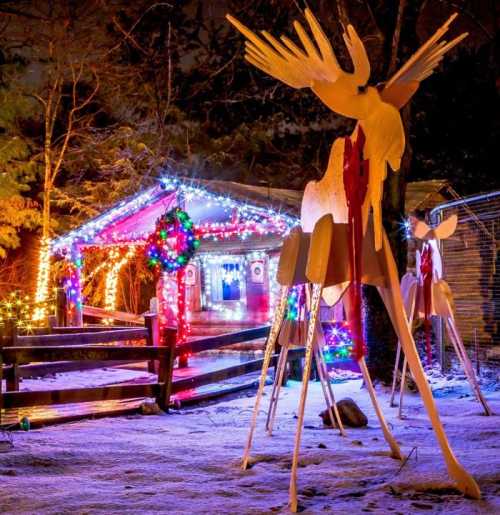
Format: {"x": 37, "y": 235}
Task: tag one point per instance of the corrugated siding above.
{"x": 471, "y": 267}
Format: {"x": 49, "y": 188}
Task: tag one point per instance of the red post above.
{"x": 182, "y": 323}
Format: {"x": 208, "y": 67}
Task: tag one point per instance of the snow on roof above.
{"x": 135, "y": 216}
{"x": 254, "y": 202}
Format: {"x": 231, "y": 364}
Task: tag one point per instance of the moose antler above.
{"x": 314, "y": 65}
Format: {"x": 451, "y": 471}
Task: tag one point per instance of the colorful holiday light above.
{"x": 169, "y": 249}
{"x": 16, "y": 308}
{"x": 183, "y": 327}
{"x": 72, "y": 285}
{"x": 253, "y": 219}
{"x": 338, "y": 342}
{"x": 173, "y": 242}
{"x": 406, "y": 229}
{"x": 293, "y": 303}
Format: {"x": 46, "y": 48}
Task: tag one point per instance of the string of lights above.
{"x": 338, "y": 342}
{"x": 42, "y": 281}
{"x": 116, "y": 261}
{"x": 18, "y": 309}
{"x": 256, "y": 219}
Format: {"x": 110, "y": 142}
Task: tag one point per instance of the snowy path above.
{"x": 187, "y": 462}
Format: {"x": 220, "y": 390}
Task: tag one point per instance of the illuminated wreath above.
{"x": 173, "y": 242}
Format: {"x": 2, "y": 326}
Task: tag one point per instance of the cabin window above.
{"x": 231, "y": 279}
{"x": 225, "y": 283}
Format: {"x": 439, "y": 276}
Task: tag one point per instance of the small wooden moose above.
{"x": 428, "y": 294}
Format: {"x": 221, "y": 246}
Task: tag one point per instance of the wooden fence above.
{"x": 30, "y": 355}
{"x": 49, "y": 349}
{"x": 70, "y": 336}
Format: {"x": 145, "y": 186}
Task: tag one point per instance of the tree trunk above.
{"x": 46, "y": 214}
{"x": 380, "y": 337}
{"x": 381, "y": 340}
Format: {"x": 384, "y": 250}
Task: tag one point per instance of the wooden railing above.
{"x": 75, "y": 336}
{"x": 16, "y": 356}
{"x": 89, "y": 348}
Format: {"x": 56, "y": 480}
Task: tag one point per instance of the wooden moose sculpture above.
{"x": 428, "y": 294}
{"x": 343, "y": 210}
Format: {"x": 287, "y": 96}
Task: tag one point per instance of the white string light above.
{"x": 255, "y": 219}
{"x": 117, "y": 262}
{"x": 42, "y": 281}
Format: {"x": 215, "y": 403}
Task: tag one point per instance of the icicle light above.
{"x": 253, "y": 219}
{"x": 116, "y": 262}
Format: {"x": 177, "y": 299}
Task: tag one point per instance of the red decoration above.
{"x": 356, "y": 171}
{"x": 426, "y": 271}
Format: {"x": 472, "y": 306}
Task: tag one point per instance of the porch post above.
{"x": 182, "y": 323}
{"x": 74, "y": 288}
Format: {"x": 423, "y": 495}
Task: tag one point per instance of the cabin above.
{"x": 229, "y": 284}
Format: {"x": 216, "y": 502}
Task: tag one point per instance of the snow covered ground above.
{"x": 188, "y": 461}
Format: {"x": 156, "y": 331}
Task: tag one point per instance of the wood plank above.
{"x": 116, "y": 315}
{"x": 82, "y": 353}
{"x": 42, "y": 369}
{"x": 73, "y": 395}
{"x": 139, "y": 333}
{"x": 195, "y": 398}
{"x": 40, "y": 416}
{"x": 214, "y": 342}
{"x": 89, "y": 329}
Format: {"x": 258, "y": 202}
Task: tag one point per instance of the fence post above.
{"x": 168, "y": 339}
{"x": 152, "y": 340}
{"x": 1, "y": 377}
{"x": 12, "y": 374}
{"x": 61, "y": 308}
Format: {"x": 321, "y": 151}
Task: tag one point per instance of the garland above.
{"x": 173, "y": 242}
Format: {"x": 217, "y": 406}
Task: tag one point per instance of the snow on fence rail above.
{"x": 83, "y": 338}
{"x": 15, "y": 356}
{"x": 81, "y": 348}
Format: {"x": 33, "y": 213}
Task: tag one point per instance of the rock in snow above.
{"x": 350, "y": 414}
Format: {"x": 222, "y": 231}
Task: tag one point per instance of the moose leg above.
{"x": 395, "y": 450}
{"x": 395, "y": 375}
{"x": 405, "y": 366}
{"x": 410, "y": 297}
{"x": 402, "y": 387}
{"x": 466, "y": 364}
{"x": 311, "y": 330}
{"x": 389, "y": 438}
{"x": 278, "y": 381}
{"x": 271, "y": 340}
{"x": 394, "y": 304}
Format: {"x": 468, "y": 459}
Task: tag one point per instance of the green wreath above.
{"x": 173, "y": 242}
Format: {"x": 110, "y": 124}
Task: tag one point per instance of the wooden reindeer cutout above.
{"x": 428, "y": 294}
{"x": 348, "y": 245}
{"x": 291, "y": 272}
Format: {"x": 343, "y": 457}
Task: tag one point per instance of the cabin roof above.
{"x": 140, "y": 211}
